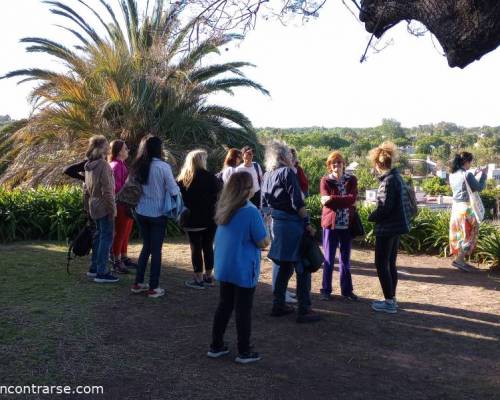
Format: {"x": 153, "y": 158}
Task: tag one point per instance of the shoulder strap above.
{"x": 257, "y": 169}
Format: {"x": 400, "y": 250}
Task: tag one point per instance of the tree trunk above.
{"x": 466, "y": 29}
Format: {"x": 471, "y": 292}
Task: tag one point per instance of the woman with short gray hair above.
{"x": 282, "y": 201}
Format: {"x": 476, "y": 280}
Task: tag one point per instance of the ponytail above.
{"x": 460, "y": 159}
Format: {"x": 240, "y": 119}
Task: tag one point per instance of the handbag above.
{"x": 356, "y": 228}
{"x": 173, "y": 206}
{"x": 311, "y": 255}
{"x": 131, "y": 192}
{"x": 475, "y": 202}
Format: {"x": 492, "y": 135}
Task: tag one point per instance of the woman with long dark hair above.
{"x": 155, "y": 176}
{"x": 464, "y": 227}
{"x": 123, "y": 221}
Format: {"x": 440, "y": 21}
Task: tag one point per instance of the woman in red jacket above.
{"x": 338, "y": 196}
{"x": 123, "y": 222}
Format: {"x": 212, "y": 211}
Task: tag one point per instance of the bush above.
{"x": 488, "y": 248}
{"x": 312, "y": 160}
{"x": 46, "y": 214}
{"x": 429, "y": 233}
{"x": 436, "y": 186}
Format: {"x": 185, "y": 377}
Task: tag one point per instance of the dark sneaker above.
{"x": 106, "y": 278}
{"x": 119, "y": 267}
{"x": 247, "y": 358}
{"x": 462, "y": 266}
{"x": 208, "y": 280}
{"x": 91, "y": 274}
{"x": 195, "y": 284}
{"x": 351, "y": 297}
{"x": 219, "y": 352}
{"x": 325, "y": 296}
{"x": 129, "y": 263}
{"x": 279, "y": 311}
{"x": 308, "y": 317}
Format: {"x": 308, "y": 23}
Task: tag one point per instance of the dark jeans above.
{"x": 153, "y": 233}
{"x": 241, "y": 299}
{"x": 256, "y": 199}
{"x": 202, "y": 242}
{"x": 303, "y": 286}
{"x": 386, "y": 252}
{"x": 333, "y": 238}
{"x": 101, "y": 245}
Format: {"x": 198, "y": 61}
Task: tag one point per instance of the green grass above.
{"x": 43, "y": 310}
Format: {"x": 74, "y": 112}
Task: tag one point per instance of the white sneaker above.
{"x": 158, "y": 292}
{"x": 290, "y": 298}
{"x": 139, "y": 288}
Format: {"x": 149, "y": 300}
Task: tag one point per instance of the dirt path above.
{"x": 443, "y": 344}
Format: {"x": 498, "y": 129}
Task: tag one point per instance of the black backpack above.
{"x": 81, "y": 244}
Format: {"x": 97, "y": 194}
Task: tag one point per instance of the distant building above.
{"x": 442, "y": 173}
{"x": 371, "y": 195}
{"x": 494, "y": 173}
{"x": 407, "y": 150}
{"x": 352, "y": 167}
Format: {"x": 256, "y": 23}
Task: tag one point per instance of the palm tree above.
{"x": 144, "y": 77}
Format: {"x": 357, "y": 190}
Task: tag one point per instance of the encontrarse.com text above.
{"x": 46, "y": 389}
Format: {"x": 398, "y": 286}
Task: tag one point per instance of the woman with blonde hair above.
{"x": 240, "y": 236}
{"x": 199, "y": 189}
{"x": 100, "y": 203}
{"x": 338, "y": 197}
{"x": 392, "y": 219}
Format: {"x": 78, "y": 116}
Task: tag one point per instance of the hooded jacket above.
{"x": 100, "y": 188}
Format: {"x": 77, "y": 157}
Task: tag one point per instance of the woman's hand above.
{"x": 324, "y": 199}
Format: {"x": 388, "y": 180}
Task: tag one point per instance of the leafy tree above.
{"x": 313, "y": 161}
{"x": 138, "y": 77}
{"x": 366, "y": 179}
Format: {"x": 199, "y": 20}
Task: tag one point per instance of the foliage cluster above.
{"x": 45, "y": 214}
{"x": 429, "y": 233}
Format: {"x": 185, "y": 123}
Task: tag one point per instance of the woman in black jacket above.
{"x": 199, "y": 190}
{"x": 391, "y": 220}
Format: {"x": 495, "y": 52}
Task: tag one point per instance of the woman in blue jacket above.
{"x": 240, "y": 236}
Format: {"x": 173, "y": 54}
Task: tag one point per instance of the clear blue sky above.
{"x": 312, "y": 71}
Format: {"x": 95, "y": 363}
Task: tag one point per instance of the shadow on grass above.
{"x": 64, "y": 329}
{"x": 446, "y": 275}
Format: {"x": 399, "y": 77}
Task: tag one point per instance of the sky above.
{"x": 312, "y": 71}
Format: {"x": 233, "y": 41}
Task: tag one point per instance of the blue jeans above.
{"x": 101, "y": 245}
{"x": 153, "y": 233}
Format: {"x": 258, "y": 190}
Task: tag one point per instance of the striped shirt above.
{"x": 160, "y": 182}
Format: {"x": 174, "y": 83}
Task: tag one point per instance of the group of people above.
{"x": 230, "y": 216}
